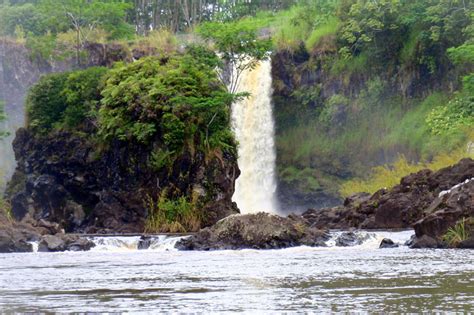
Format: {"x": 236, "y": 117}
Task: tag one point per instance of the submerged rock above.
{"x": 410, "y": 241}
{"x": 255, "y": 231}
{"x": 144, "y": 242}
{"x": 388, "y": 243}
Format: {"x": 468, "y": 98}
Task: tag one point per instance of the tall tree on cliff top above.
{"x": 239, "y": 47}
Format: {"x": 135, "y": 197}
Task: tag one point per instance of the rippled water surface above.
{"x": 298, "y": 279}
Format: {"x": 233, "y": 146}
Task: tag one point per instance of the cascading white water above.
{"x": 252, "y": 121}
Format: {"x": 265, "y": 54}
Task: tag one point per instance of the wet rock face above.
{"x": 13, "y": 243}
{"x": 14, "y": 236}
{"x": 426, "y": 241}
{"x": 63, "y": 242}
{"x": 255, "y": 231}
{"x": 350, "y": 239}
{"x": 388, "y": 243}
{"x": 446, "y": 210}
{"x": 415, "y": 198}
{"x": 64, "y": 179}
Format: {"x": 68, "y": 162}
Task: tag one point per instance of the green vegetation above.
{"x": 238, "y": 47}
{"x": 175, "y": 100}
{"x": 64, "y": 100}
{"x": 167, "y": 107}
{"x": 3, "y": 117}
{"x": 6, "y": 209}
{"x": 458, "y": 233}
{"x": 171, "y": 216}
{"x": 387, "y": 176}
{"x": 364, "y": 83}
{"x": 381, "y": 91}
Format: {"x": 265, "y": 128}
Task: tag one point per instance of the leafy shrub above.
{"x": 45, "y": 103}
{"x": 64, "y": 100}
{"x": 458, "y": 113}
{"x": 171, "y": 216}
{"x": 160, "y": 158}
{"x": 171, "y": 101}
{"x": 82, "y": 94}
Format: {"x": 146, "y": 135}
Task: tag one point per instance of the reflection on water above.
{"x": 296, "y": 279}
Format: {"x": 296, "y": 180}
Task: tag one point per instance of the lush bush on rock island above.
{"x": 112, "y": 149}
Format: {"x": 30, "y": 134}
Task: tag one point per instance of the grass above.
{"x": 329, "y": 28}
{"x": 388, "y": 176}
{"x": 381, "y": 140}
{"x": 171, "y": 216}
{"x": 6, "y": 208}
{"x": 458, "y": 232}
{"x": 162, "y": 40}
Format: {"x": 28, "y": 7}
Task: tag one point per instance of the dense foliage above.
{"x": 176, "y": 100}
{"x": 361, "y": 81}
{"x": 365, "y": 81}
{"x": 64, "y": 100}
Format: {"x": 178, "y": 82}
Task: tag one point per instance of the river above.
{"x": 115, "y": 277}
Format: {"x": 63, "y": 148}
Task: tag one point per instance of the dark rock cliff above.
{"x": 19, "y": 70}
{"x": 425, "y": 200}
{"x": 66, "y": 178}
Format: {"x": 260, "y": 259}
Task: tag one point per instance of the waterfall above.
{"x": 252, "y": 121}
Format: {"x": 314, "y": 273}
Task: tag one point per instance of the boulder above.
{"x": 81, "y": 244}
{"x": 63, "y": 242}
{"x": 426, "y": 241}
{"x": 350, "y": 239}
{"x": 410, "y": 241}
{"x": 469, "y": 243}
{"x": 455, "y": 205}
{"x": 431, "y": 201}
{"x": 144, "y": 242}
{"x": 255, "y": 231}
{"x": 388, "y": 243}
{"x": 13, "y": 243}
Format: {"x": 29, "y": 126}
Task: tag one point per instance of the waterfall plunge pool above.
{"x": 118, "y": 278}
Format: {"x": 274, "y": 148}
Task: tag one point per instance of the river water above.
{"x": 115, "y": 277}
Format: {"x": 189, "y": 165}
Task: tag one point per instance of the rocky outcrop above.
{"x": 14, "y": 236}
{"x": 255, "y": 231}
{"x": 64, "y": 242}
{"x": 64, "y": 178}
{"x": 418, "y": 197}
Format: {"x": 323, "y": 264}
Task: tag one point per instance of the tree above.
{"x": 239, "y": 48}
{"x": 84, "y": 17}
{"x": 367, "y": 24}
